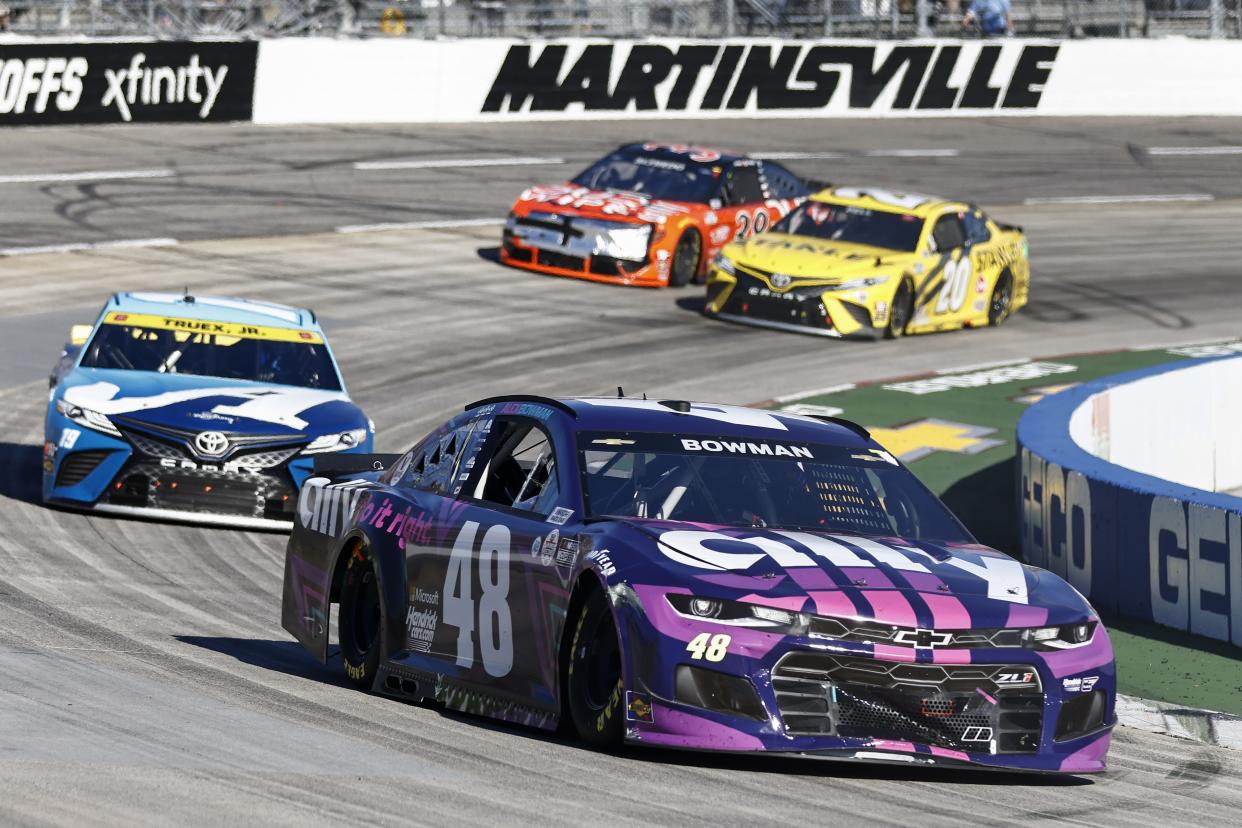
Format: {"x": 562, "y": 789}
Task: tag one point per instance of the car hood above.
{"x": 606, "y": 205}
{"x": 891, "y": 579}
{"x": 820, "y": 259}
{"x": 185, "y": 402}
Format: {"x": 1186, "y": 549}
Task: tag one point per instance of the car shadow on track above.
{"x": 286, "y": 657}
{"x": 491, "y": 254}
{"x": 289, "y": 658}
{"x": 20, "y": 472}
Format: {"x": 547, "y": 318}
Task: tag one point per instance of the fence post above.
{"x": 1216, "y": 19}
{"x": 921, "y": 11}
{"x": 730, "y": 18}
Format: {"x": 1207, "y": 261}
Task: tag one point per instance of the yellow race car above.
{"x": 861, "y": 262}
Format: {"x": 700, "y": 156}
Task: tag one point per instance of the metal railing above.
{"x": 608, "y": 18}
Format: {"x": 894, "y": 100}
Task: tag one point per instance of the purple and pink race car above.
{"x": 695, "y": 576}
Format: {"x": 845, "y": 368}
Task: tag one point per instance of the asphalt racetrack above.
{"x": 144, "y": 675}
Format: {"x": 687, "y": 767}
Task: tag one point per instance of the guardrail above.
{"x": 1133, "y": 542}
{"x": 182, "y": 19}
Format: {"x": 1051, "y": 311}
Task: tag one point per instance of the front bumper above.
{"x": 561, "y": 257}
{"x": 817, "y": 312}
{"x": 144, "y": 475}
{"x": 997, "y": 708}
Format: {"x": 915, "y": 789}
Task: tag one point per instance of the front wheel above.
{"x": 686, "y": 256}
{"x": 1002, "y": 300}
{"x": 594, "y": 688}
{"x": 901, "y": 311}
{"x": 361, "y": 618}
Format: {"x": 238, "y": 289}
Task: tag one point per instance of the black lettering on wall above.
{"x": 645, "y": 67}
{"x": 867, "y": 82}
{"x": 1034, "y": 67}
{"x": 824, "y": 81}
{"x": 724, "y": 75}
{"x": 519, "y": 80}
{"x": 937, "y": 94}
{"x": 692, "y": 60}
{"x": 979, "y": 93}
{"x": 770, "y": 81}
{"x": 586, "y": 83}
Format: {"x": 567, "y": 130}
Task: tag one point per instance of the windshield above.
{"x": 649, "y": 175}
{"x": 893, "y": 231}
{"x": 777, "y": 485}
{"x": 179, "y": 346}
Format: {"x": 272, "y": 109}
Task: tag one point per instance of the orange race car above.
{"x": 648, "y": 214}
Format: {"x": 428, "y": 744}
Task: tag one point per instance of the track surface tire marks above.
{"x": 142, "y": 667}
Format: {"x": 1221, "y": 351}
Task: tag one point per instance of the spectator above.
{"x": 5, "y": 18}
{"x": 991, "y": 17}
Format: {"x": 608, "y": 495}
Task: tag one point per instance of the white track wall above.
{"x": 1182, "y": 426}
{"x": 309, "y": 80}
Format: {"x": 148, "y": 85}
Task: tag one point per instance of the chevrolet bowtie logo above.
{"x": 923, "y": 639}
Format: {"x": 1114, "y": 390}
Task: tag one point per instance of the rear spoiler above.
{"x": 330, "y": 465}
{"x": 1013, "y": 227}
{"x": 816, "y": 184}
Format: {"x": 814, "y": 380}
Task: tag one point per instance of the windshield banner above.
{"x": 207, "y": 326}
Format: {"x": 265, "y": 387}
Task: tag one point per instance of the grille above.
{"x": 870, "y": 632}
{"x": 266, "y": 459}
{"x": 751, "y": 298}
{"x": 197, "y": 490}
{"x": 75, "y": 467}
{"x": 550, "y": 258}
{"x": 980, "y": 708}
{"x": 153, "y": 448}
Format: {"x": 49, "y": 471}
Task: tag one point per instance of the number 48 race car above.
{"x": 695, "y": 576}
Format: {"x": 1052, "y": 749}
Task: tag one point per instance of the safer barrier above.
{"x": 321, "y": 80}
{"x": 1133, "y": 542}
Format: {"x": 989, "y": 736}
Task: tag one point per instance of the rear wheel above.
{"x": 594, "y": 688}
{"x": 686, "y": 256}
{"x": 1002, "y": 300}
{"x": 901, "y": 311}
{"x": 361, "y": 618}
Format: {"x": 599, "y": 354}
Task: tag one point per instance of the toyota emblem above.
{"x": 781, "y": 280}
{"x": 211, "y": 443}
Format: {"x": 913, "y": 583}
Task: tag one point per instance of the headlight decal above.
{"x": 87, "y": 418}
{"x": 342, "y": 441}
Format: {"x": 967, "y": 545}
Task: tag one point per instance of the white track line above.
{"x": 815, "y": 392}
{"x": 1225, "y": 150}
{"x": 77, "y": 247}
{"x": 448, "y": 224}
{"x": 880, "y": 153}
{"x": 449, "y": 163}
{"x": 796, "y": 156}
{"x": 99, "y": 175}
{"x": 1120, "y": 199}
{"x": 912, "y": 153}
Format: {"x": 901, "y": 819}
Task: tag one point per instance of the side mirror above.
{"x": 78, "y": 334}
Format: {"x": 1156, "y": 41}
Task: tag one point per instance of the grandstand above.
{"x": 171, "y": 19}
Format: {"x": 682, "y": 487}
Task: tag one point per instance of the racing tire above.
{"x": 685, "y": 266}
{"x": 594, "y": 688}
{"x": 901, "y": 310}
{"x": 361, "y": 619}
{"x": 1001, "y": 303}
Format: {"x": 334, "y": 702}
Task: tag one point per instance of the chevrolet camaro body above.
{"x": 206, "y": 410}
{"x": 776, "y": 583}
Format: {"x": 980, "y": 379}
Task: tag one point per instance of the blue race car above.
{"x": 697, "y": 576}
{"x": 201, "y": 409}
